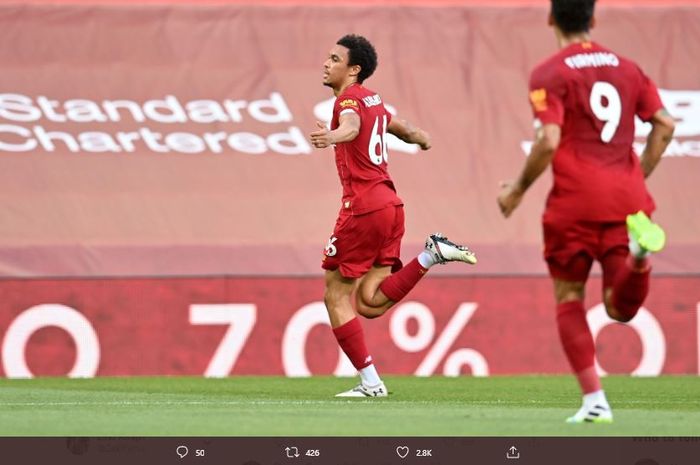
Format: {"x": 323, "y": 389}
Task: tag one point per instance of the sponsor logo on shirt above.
{"x": 120, "y": 125}
{"x": 538, "y": 98}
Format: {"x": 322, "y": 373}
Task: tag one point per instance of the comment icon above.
{"x": 182, "y": 451}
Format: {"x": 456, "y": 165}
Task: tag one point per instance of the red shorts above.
{"x": 570, "y": 248}
{"x": 358, "y": 242}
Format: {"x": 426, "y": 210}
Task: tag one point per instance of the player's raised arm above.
{"x": 347, "y": 130}
{"x": 546, "y": 142}
{"x": 409, "y": 133}
{"x": 662, "y": 127}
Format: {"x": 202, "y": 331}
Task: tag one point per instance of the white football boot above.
{"x": 444, "y": 250}
{"x": 362, "y": 390}
{"x": 592, "y": 414}
{"x": 645, "y": 236}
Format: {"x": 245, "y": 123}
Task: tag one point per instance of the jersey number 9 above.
{"x": 610, "y": 113}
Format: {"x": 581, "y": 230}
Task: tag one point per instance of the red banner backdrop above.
{"x": 220, "y": 327}
{"x": 169, "y": 140}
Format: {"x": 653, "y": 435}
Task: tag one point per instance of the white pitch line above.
{"x": 290, "y": 402}
{"x": 158, "y": 402}
{"x": 240, "y": 402}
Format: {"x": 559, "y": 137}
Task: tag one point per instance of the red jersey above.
{"x": 362, "y": 162}
{"x": 594, "y": 94}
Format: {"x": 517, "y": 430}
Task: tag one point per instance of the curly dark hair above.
{"x": 360, "y": 52}
{"x": 573, "y": 16}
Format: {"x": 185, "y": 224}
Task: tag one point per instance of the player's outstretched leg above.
{"x": 379, "y": 291}
{"x": 631, "y": 284}
{"x": 438, "y": 250}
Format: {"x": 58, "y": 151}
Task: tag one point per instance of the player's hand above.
{"x": 321, "y": 138}
{"x": 425, "y": 143}
{"x": 509, "y": 198}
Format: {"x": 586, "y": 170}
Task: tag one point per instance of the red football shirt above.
{"x": 594, "y": 94}
{"x": 362, "y": 162}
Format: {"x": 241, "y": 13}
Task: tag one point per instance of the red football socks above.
{"x": 630, "y": 288}
{"x": 577, "y": 340}
{"x": 589, "y": 380}
{"x": 397, "y": 285}
{"x": 351, "y": 339}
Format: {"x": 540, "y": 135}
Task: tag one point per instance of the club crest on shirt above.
{"x": 538, "y": 98}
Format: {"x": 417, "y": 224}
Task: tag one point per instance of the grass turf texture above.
{"x": 277, "y": 406}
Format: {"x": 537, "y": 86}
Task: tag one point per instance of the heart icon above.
{"x": 402, "y": 451}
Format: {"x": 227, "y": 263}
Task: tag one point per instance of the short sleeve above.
{"x": 546, "y": 97}
{"x": 347, "y": 104}
{"x": 649, "y": 101}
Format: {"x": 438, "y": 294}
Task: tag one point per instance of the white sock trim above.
{"x": 636, "y": 250}
{"x": 369, "y": 376}
{"x": 426, "y": 259}
{"x": 595, "y": 398}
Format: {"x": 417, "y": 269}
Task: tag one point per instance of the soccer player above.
{"x": 364, "y": 249}
{"x": 584, "y": 99}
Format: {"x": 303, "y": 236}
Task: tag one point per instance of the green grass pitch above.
{"x": 277, "y": 406}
